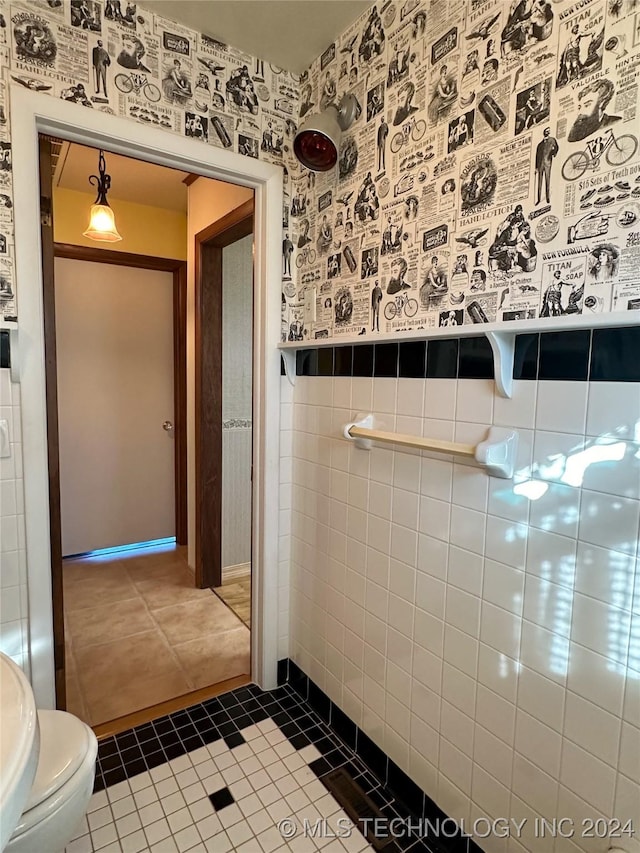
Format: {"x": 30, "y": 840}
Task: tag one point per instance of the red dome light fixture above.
{"x": 317, "y": 141}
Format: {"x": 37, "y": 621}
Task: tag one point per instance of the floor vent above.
{"x": 360, "y": 808}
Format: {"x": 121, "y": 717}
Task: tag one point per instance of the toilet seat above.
{"x": 64, "y": 741}
{"x": 67, "y": 757}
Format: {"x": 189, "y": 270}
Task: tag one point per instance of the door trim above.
{"x": 179, "y": 270}
{"x": 34, "y": 113}
{"x": 209, "y": 244}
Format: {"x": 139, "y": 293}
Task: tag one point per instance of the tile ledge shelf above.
{"x": 502, "y": 340}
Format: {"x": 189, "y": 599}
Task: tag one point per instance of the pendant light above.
{"x": 102, "y": 223}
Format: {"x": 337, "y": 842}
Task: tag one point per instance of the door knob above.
{"x": 167, "y": 426}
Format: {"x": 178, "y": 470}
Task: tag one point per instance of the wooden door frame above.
{"x": 50, "y": 251}
{"x": 209, "y": 244}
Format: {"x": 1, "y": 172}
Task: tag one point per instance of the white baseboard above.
{"x": 236, "y": 573}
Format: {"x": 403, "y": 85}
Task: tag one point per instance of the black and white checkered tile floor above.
{"x": 223, "y": 776}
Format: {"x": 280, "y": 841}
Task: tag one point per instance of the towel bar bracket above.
{"x": 289, "y": 360}
{"x": 497, "y": 453}
{"x": 503, "y": 346}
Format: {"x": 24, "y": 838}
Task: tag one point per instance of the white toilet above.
{"x": 62, "y": 786}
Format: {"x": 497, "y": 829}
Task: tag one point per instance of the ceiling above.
{"x": 288, "y": 33}
{"x": 131, "y": 180}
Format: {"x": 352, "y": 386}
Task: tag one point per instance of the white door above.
{"x": 114, "y": 331}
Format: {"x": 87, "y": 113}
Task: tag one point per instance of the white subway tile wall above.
{"x": 14, "y": 606}
{"x": 484, "y": 633}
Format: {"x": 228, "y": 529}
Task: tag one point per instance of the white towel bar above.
{"x": 497, "y": 453}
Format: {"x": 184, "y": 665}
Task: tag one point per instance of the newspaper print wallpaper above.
{"x": 493, "y": 173}
{"x": 116, "y": 57}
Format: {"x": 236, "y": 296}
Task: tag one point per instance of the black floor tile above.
{"x": 126, "y": 740}
{"x": 197, "y": 712}
{"x": 109, "y": 762}
{"x": 219, "y": 717}
{"x": 163, "y": 725}
{"x": 258, "y": 716}
{"x": 133, "y": 768}
{"x": 179, "y": 719}
{"x": 290, "y": 730}
{"x": 174, "y": 751}
{"x": 234, "y": 739}
{"x": 193, "y": 742}
{"x": 112, "y": 777}
{"x": 222, "y": 798}
{"x": 107, "y": 747}
{"x": 145, "y": 732}
{"x": 228, "y": 700}
{"x": 211, "y": 736}
{"x": 155, "y": 759}
{"x": 299, "y": 741}
{"x": 320, "y": 766}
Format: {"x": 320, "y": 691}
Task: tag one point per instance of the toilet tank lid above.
{"x": 64, "y": 742}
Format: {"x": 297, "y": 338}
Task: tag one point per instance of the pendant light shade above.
{"x": 102, "y": 222}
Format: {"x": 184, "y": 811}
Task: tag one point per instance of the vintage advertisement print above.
{"x": 491, "y": 174}
{"x": 122, "y": 59}
{"x": 494, "y": 175}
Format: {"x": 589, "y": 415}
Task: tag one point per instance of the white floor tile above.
{"x": 187, "y": 838}
{"x": 146, "y": 796}
{"x": 103, "y": 836}
{"x": 128, "y": 824}
{"x": 209, "y": 827}
{"x": 167, "y": 846}
{"x": 123, "y": 807}
{"x": 155, "y": 832}
{"x": 142, "y": 780}
{"x": 80, "y": 845}
{"x": 99, "y": 818}
{"x": 259, "y": 821}
{"x": 97, "y": 801}
{"x": 173, "y": 803}
{"x": 134, "y": 843}
{"x": 194, "y": 793}
{"x": 178, "y": 820}
{"x": 230, "y": 815}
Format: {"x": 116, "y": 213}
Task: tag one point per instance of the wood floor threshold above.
{"x": 129, "y": 721}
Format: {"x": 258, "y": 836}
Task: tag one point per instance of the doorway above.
{"x": 224, "y": 334}
{"x": 32, "y": 115}
{"x": 134, "y": 628}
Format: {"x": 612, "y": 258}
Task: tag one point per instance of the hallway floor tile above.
{"x": 139, "y": 633}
